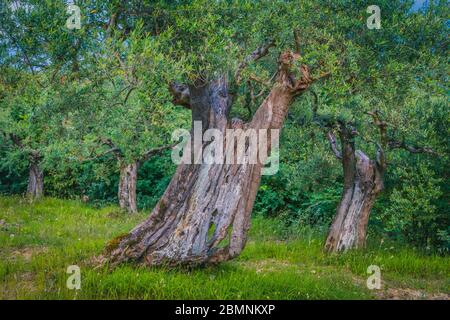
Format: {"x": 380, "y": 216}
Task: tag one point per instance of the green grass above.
{"x": 40, "y": 240}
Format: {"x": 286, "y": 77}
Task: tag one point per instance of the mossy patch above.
{"x": 114, "y": 243}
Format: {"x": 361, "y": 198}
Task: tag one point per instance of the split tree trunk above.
{"x": 204, "y": 214}
{"x": 127, "y": 186}
{"x": 35, "y": 187}
{"x": 363, "y": 181}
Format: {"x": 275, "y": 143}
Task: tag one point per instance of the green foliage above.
{"x": 412, "y": 210}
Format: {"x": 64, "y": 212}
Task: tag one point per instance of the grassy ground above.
{"x": 39, "y": 241}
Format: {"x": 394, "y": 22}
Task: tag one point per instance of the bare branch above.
{"x": 150, "y": 153}
{"x": 265, "y": 85}
{"x": 254, "y": 56}
{"x": 402, "y": 145}
{"x": 394, "y": 144}
{"x": 259, "y": 80}
{"x": 382, "y": 127}
{"x": 114, "y": 148}
{"x": 128, "y": 95}
{"x": 322, "y": 76}
{"x": 332, "y": 139}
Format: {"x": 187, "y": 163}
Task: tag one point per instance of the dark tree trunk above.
{"x": 35, "y": 187}
{"x": 363, "y": 181}
{"x": 204, "y": 214}
{"x": 127, "y": 186}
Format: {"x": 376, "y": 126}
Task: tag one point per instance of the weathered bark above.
{"x": 204, "y": 214}
{"x": 363, "y": 181}
{"x": 127, "y": 186}
{"x": 35, "y": 187}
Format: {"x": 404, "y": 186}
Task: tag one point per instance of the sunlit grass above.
{"x": 38, "y": 241}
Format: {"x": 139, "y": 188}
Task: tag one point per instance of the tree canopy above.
{"x": 76, "y": 99}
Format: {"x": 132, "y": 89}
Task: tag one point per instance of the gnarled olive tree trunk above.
{"x": 127, "y": 186}
{"x": 363, "y": 181}
{"x": 35, "y": 187}
{"x": 204, "y": 214}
